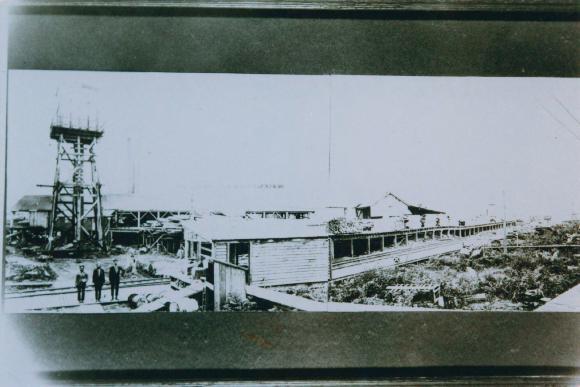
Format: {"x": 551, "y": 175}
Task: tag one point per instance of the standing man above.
{"x": 115, "y": 273}
{"x": 98, "y": 281}
{"x": 81, "y": 283}
{"x": 181, "y": 252}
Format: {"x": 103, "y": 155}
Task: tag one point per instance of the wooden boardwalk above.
{"x": 397, "y": 257}
{"x": 415, "y": 252}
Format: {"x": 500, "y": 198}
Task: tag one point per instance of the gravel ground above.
{"x": 67, "y": 268}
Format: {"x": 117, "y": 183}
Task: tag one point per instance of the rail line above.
{"x": 72, "y": 289}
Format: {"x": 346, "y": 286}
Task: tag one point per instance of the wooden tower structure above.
{"x": 76, "y": 193}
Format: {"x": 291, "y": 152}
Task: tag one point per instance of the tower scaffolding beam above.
{"x": 76, "y": 190}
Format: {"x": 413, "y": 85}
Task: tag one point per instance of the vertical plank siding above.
{"x": 289, "y": 261}
{"x": 38, "y": 219}
{"x": 228, "y": 282}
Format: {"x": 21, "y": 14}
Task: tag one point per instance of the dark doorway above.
{"x": 239, "y": 254}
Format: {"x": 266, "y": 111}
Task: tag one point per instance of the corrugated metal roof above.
{"x": 227, "y": 228}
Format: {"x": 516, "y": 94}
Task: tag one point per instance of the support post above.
{"x": 330, "y": 261}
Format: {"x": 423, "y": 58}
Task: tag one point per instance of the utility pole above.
{"x": 504, "y": 224}
{"x": 329, "y": 126}
{"x": 131, "y": 165}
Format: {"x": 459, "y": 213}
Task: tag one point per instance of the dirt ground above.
{"x": 67, "y": 268}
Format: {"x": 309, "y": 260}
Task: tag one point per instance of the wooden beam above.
{"x": 351, "y": 248}
{"x": 330, "y": 260}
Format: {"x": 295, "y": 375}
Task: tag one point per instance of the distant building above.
{"x": 127, "y": 219}
{"x": 391, "y": 205}
{"x": 32, "y": 211}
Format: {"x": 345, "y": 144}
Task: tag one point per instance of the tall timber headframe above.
{"x": 76, "y": 214}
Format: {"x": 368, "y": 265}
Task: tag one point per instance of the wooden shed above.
{"x": 275, "y": 251}
{"x": 32, "y": 211}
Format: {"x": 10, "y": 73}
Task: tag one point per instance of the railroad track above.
{"x": 72, "y": 289}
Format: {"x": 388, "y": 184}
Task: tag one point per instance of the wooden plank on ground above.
{"x": 307, "y": 305}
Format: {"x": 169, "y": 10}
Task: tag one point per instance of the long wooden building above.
{"x": 285, "y": 252}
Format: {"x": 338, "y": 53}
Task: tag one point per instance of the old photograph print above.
{"x": 150, "y": 192}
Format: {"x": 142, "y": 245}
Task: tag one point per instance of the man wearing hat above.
{"x": 98, "y": 281}
{"x": 115, "y": 273}
{"x": 81, "y": 283}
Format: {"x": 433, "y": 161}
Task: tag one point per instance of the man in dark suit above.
{"x": 115, "y": 273}
{"x": 81, "y": 283}
{"x": 98, "y": 281}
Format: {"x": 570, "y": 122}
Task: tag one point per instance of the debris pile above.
{"x": 168, "y": 300}
{"x": 147, "y": 270}
{"x": 22, "y": 272}
{"x": 348, "y": 226}
{"x": 184, "y": 305}
{"x": 316, "y": 292}
{"x": 136, "y": 300}
{"x": 236, "y": 304}
{"x": 522, "y": 278}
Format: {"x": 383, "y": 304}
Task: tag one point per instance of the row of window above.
{"x": 363, "y": 246}
{"x": 278, "y": 214}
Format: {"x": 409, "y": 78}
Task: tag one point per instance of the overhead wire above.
{"x": 574, "y": 134}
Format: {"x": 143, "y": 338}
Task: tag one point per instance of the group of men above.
{"x": 82, "y": 279}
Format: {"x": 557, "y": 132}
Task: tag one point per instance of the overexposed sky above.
{"x": 452, "y": 144}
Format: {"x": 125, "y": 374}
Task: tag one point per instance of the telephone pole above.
{"x": 504, "y": 224}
